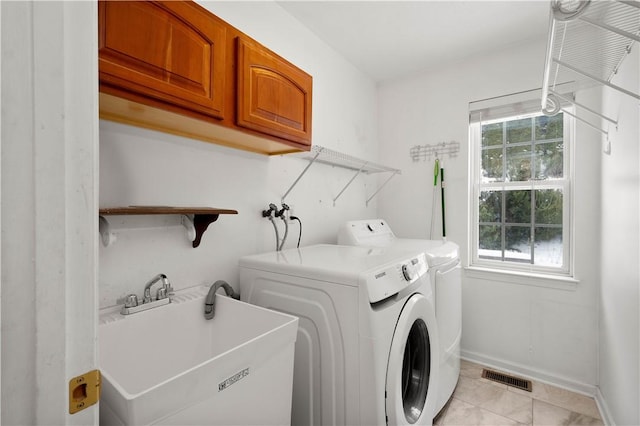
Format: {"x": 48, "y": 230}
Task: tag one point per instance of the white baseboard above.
{"x": 607, "y": 419}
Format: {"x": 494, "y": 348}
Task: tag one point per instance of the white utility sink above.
{"x": 168, "y": 365}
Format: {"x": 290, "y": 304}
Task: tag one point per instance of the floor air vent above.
{"x": 516, "y": 382}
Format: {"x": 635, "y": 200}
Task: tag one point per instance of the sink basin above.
{"x": 169, "y": 365}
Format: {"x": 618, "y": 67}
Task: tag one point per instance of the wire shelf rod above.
{"x": 597, "y": 79}
{"x": 632, "y": 3}
{"x": 604, "y": 132}
{"x": 586, "y": 108}
{"x": 605, "y": 54}
{"x": 610, "y": 28}
{"x": 300, "y": 175}
{"x": 381, "y": 186}
{"x": 349, "y": 183}
{"x": 548, "y": 62}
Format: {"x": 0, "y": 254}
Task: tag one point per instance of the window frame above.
{"x": 565, "y": 184}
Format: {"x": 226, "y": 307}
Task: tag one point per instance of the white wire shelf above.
{"x": 588, "y": 41}
{"x": 319, "y": 154}
{"x": 334, "y": 158}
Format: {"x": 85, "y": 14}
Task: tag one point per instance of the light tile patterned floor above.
{"x": 478, "y": 401}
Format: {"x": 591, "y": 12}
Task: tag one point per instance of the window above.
{"x": 521, "y": 190}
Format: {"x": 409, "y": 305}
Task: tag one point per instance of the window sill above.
{"x": 556, "y": 282}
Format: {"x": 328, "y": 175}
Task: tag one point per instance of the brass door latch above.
{"x": 84, "y": 391}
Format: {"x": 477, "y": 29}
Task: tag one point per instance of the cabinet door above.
{"x": 274, "y": 96}
{"x": 172, "y": 52}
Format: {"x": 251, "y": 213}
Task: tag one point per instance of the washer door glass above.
{"x": 415, "y": 371}
{"x": 409, "y": 367}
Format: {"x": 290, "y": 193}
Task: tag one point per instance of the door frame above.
{"x": 49, "y": 205}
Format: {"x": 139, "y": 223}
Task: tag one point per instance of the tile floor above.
{"x": 478, "y": 401}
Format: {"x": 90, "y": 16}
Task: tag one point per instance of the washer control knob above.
{"x": 408, "y": 271}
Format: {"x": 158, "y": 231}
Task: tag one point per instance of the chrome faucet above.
{"x": 163, "y": 296}
{"x": 163, "y": 292}
{"x": 210, "y": 300}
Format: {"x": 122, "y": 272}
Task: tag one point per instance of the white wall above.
{"x": 140, "y": 167}
{"x": 619, "y": 351}
{"x": 545, "y": 331}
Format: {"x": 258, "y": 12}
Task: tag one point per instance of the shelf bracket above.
{"x": 196, "y": 224}
{"x": 349, "y": 183}
{"x": 106, "y": 236}
{"x": 381, "y": 186}
{"x": 301, "y": 174}
{"x": 200, "y": 224}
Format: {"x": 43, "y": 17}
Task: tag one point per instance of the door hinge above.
{"x": 84, "y": 391}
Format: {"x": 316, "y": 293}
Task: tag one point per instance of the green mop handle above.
{"x": 436, "y": 171}
{"x": 444, "y": 232}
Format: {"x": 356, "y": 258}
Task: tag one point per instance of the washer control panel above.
{"x": 374, "y": 233}
{"x": 409, "y": 271}
{"x": 392, "y": 278}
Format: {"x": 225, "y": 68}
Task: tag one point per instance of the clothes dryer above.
{"x": 367, "y": 346}
{"x": 445, "y": 273}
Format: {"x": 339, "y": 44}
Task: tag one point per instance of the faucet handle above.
{"x": 166, "y": 286}
{"x": 161, "y": 293}
{"x": 130, "y": 301}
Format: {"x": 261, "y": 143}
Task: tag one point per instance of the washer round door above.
{"x": 412, "y": 369}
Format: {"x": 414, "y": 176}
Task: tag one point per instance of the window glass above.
{"x": 518, "y": 207}
{"x": 549, "y": 160}
{"x": 521, "y": 182}
{"x": 549, "y": 250}
{"x": 518, "y": 244}
{"x": 492, "y": 165}
{"x": 549, "y": 206}
{"x": 549, "y": 127}
{"x": 490, "y": 246}
{"x": 518, "y": 131}
{"x": 492, "y": 134}
{"x": 518, "y": 163}
{"x": 490, "y": 206}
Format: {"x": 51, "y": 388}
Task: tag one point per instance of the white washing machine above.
{"x": 367, "y": 345}
{"x": 445, "y": 273}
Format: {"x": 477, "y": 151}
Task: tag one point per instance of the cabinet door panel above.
{"x": 274, "y": 97}
{"x": 169, "y": 51}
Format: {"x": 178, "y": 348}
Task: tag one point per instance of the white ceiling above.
{"x": 392, "y": 39}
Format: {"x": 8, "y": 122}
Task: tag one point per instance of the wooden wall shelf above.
{"x": 194, "y": 219}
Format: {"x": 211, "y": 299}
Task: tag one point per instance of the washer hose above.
{"x": 286, "y": 231}
{"x": 277, "y": 233}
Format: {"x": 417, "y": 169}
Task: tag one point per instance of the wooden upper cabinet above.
{"x": 174, "y": 67}
{"x": 171, "y": 52}
{"x": 273, "y": 96}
